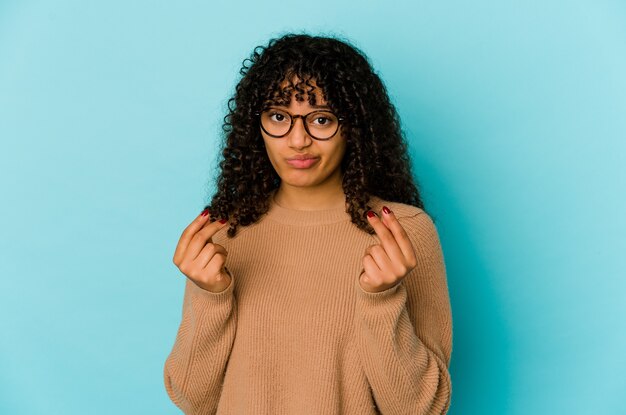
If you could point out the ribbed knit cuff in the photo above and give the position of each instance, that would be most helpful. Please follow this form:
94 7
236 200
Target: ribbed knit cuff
383 297
208 297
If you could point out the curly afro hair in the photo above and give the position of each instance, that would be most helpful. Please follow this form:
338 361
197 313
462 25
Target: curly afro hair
376 161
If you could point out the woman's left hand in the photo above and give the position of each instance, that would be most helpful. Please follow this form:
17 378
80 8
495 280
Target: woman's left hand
387 263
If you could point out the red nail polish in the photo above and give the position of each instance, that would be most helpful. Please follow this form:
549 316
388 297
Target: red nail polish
223 220
386 210
204 212
370 214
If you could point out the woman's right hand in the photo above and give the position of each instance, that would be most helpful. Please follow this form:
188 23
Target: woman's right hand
201 260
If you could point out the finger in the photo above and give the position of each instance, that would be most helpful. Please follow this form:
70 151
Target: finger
373 276
380 257
401 237
207 253
202 237
387 239
188 233
214 266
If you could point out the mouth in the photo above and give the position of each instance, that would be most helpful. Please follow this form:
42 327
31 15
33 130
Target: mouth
303 163
303 157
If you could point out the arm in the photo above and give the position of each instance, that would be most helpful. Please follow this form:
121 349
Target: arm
194 370
405 332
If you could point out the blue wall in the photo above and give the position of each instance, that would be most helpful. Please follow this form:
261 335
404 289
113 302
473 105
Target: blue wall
109 120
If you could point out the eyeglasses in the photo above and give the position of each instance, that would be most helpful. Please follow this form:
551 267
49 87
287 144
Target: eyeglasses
319 124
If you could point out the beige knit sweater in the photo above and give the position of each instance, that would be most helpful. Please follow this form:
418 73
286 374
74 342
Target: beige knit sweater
294 333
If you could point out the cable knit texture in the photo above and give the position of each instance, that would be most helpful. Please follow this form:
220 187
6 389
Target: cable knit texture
294 333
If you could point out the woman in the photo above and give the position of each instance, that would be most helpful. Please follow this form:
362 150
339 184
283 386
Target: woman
327 292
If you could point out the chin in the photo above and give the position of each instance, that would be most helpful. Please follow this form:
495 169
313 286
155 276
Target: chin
300 181
301 178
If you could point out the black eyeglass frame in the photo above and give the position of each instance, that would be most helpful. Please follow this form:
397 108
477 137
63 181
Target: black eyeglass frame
293 120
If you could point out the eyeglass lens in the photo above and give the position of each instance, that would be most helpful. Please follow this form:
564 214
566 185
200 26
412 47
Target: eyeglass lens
320 124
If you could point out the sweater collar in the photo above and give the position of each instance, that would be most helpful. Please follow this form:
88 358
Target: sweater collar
288 216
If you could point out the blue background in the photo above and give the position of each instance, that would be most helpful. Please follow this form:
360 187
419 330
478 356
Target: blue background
110 114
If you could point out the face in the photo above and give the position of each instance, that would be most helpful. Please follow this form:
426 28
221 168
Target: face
327 154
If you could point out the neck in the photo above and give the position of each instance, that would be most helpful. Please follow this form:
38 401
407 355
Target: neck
327 196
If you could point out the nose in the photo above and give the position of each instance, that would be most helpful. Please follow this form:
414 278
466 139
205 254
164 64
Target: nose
298 137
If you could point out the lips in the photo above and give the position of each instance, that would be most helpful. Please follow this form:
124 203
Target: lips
303 157
302 163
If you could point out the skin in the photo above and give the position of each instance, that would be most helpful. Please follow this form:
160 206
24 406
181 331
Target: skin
199 258
318 187
385 264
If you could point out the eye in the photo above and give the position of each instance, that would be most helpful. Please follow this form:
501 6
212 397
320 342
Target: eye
279 116
322 119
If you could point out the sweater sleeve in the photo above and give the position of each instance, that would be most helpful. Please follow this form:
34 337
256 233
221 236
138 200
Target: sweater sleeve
194 370
405 332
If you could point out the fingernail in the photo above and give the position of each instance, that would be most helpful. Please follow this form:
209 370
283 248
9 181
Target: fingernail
386 210
370 214
204 212
223 220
